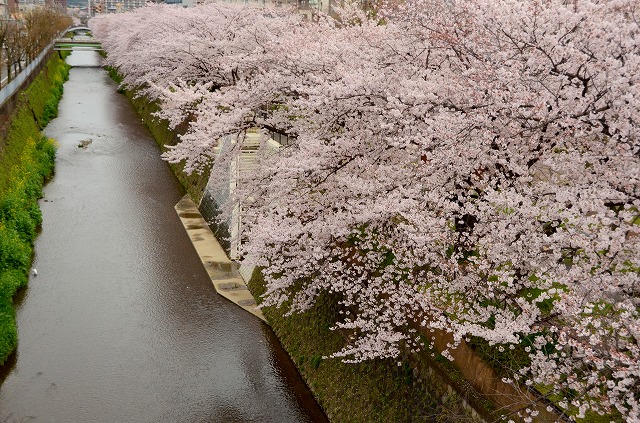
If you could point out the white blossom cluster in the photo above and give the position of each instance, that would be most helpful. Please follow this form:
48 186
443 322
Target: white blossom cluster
470 166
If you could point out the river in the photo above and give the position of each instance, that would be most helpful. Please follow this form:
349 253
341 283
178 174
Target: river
122 323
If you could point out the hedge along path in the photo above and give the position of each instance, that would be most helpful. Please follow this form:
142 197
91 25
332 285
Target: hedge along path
26 160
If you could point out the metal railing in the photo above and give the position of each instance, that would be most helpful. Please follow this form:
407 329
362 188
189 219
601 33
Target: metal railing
14 86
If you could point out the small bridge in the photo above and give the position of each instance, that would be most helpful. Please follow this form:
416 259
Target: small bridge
68 44
77 38
83 30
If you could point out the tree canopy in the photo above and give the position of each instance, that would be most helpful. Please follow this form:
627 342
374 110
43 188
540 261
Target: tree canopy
468 166
24 37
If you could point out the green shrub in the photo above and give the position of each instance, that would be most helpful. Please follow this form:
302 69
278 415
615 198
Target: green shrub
8 330
11 281
15 253
45 155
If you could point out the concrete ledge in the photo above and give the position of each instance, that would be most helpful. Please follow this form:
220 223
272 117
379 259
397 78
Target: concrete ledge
224 274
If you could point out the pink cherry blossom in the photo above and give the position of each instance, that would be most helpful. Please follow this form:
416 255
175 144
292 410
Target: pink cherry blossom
471 166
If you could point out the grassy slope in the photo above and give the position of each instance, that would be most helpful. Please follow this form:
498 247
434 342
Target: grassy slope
26 160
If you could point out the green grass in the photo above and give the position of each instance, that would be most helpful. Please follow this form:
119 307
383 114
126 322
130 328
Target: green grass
26 161
19 218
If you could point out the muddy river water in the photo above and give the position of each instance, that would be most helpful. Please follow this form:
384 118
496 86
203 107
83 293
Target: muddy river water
122 323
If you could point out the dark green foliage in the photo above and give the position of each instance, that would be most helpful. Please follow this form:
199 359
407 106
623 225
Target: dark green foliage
315 361
15 253
113 73
8 330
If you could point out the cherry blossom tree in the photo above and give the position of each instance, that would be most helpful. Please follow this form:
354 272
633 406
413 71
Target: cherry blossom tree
468 166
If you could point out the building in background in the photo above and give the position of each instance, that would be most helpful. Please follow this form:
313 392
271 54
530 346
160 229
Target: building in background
24 5
305 7
98 7
113 6
58 4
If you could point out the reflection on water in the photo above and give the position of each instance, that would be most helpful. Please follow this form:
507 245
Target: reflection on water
121 323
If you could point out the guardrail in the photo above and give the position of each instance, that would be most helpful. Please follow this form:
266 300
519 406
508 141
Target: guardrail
14 86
